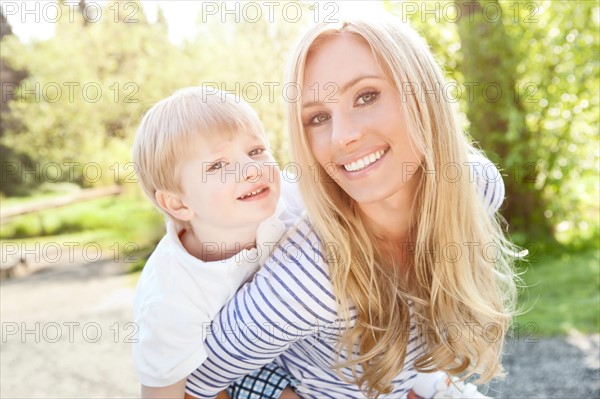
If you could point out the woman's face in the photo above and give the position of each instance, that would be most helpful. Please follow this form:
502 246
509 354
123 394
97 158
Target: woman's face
354 122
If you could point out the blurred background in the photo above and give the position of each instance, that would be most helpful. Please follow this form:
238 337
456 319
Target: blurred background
75 229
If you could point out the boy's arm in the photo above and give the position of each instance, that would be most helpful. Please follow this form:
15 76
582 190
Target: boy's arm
175 391
221 395
289 393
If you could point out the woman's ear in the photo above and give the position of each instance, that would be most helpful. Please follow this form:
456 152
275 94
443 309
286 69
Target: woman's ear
173 205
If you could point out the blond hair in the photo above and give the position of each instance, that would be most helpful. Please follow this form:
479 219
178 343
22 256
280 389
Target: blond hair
170 131
473 294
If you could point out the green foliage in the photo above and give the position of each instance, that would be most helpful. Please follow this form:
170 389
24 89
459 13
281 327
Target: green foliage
562 293
104 214
12 183
248 59
113 81
559 60
543 130
126 227
88 84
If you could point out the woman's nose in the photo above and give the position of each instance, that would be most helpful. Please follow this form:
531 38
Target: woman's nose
344 132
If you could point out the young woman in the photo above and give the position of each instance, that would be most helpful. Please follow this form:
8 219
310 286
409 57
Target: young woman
400 265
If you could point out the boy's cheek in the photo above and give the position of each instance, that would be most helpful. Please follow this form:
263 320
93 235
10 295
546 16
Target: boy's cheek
272 167
272 173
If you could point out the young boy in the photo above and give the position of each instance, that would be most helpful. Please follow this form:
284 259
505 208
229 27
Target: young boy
203 160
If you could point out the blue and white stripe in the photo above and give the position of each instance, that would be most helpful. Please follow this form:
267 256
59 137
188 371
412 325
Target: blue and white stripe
289 313
289 309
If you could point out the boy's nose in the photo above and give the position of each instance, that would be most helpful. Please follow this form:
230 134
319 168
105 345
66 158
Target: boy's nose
251 172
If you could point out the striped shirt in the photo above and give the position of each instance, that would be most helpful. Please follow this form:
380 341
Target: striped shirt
289 312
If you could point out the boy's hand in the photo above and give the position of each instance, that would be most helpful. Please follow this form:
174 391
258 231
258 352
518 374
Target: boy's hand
440 385
289 393
175 391
413 395
221 395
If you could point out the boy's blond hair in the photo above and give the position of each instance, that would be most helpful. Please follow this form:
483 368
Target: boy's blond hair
170 131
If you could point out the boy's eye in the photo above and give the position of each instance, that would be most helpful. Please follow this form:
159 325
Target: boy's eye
367 98
217 166
318 119
256 151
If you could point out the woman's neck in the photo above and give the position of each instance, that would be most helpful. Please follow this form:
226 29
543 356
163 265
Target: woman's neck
393 218
388 221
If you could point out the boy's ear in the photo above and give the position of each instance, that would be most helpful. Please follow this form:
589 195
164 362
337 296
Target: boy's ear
172 204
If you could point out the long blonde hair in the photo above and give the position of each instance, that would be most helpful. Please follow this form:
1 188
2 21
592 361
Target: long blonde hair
462 305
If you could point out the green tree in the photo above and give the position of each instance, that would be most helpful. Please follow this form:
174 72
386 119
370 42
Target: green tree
497 116
248 58
9 159
532 71
119 65
86 87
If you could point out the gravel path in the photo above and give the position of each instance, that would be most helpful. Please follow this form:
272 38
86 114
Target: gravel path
64 335
70 339
551 368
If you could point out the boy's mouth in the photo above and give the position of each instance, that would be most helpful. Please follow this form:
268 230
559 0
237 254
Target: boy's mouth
255 193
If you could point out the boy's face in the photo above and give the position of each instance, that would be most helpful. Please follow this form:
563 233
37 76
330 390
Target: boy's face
230 182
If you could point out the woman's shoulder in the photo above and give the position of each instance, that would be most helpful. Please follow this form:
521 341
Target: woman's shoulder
489 181
296 277
301 242
300 259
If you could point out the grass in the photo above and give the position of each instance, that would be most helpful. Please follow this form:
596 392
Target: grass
43 192
127 227
562 294
127 215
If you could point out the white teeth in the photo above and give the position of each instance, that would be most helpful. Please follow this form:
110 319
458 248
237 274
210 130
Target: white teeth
260 190
364 162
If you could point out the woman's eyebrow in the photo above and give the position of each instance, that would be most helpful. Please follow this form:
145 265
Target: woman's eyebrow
341 90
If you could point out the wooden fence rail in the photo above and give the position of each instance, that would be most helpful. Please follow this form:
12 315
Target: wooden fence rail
37 206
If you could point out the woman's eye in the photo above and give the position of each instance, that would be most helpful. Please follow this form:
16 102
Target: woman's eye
217 166
318 119
256 151
367 98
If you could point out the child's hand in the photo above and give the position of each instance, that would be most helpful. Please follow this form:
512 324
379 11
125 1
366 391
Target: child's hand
221 395
439 385
289 393
413 395
175 391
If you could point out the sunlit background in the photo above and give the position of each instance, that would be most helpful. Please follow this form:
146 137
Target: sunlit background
75 229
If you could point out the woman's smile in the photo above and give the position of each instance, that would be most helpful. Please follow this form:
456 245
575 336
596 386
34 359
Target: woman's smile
366 161
361 127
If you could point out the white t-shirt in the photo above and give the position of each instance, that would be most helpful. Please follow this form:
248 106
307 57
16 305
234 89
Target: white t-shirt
178 296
